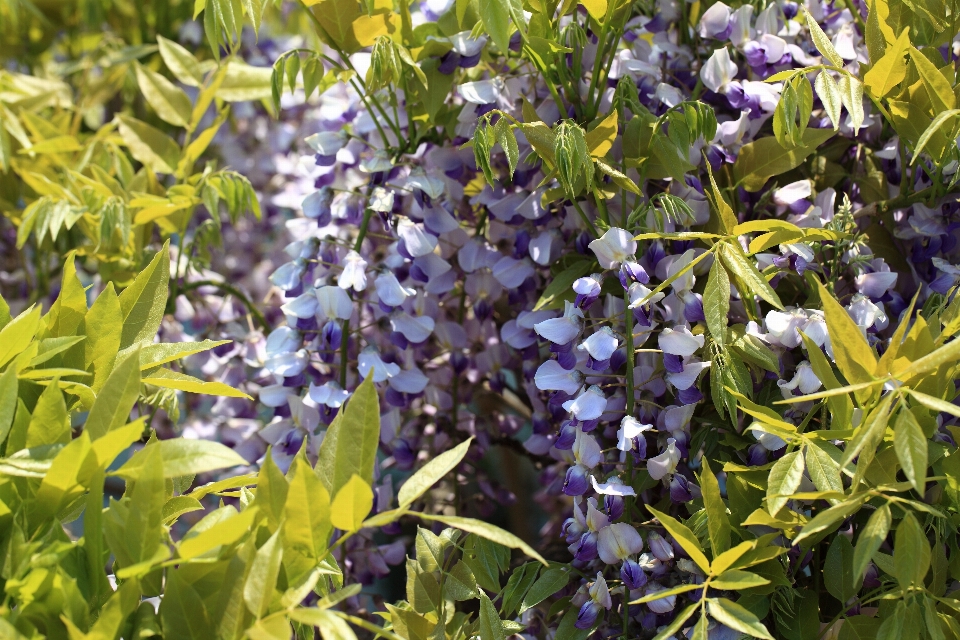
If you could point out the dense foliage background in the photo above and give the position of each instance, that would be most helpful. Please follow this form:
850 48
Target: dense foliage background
473 318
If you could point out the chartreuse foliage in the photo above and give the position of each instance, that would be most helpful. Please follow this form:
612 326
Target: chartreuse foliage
449 569
872 465
906 79
73 182
69 380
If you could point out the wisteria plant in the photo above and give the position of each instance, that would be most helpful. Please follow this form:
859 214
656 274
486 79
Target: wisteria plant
681 275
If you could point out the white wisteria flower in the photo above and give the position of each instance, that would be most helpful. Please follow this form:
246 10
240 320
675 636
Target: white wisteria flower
613 247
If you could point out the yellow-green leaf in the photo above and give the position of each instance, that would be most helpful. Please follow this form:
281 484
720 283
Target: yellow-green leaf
226 532
938 89
600 139
852 354
351 504
764 158
182 382
155 149
891 69
684 538
821 41
735 616
170 103
431 473
115 401
486 530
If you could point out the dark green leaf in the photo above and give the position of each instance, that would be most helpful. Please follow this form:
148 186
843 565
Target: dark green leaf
911 553
838 576
716 301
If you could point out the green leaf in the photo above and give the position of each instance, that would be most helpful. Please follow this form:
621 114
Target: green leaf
49 423
244 82
182 457
115 611
351 504
460 583
490 625
508 142
911 446
822 42
350 445
859 628
68 311
159 353
684 538
177 506
890 69
495 17
143 302
869 433
824 470
5 316
829 94
911 553
764 158
596 8
182 610
851 95
104 327
306 512
735 579
934 403
485 530
115 401
30 463
560 285
785 477
254 10
841 408
832 516
746 274
736 617
431 473
224 533
718 524
272 489
181 62
722 562
928 133
716 301
878 33
838 575
853 355
153 148
9 387
262 580
144 524
871 537
678 622
938 89
182 382
550 582
331 626
112 444
520 581
170 103
61 484
18 333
